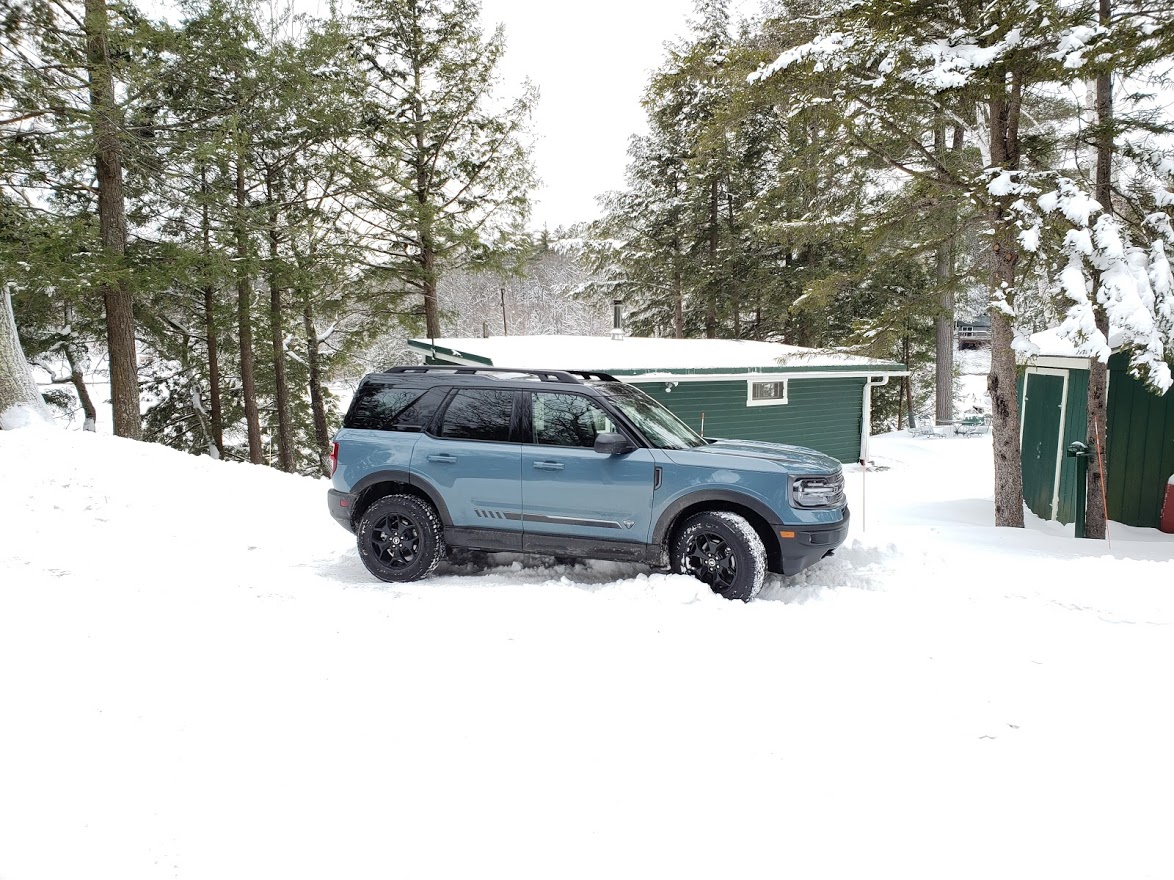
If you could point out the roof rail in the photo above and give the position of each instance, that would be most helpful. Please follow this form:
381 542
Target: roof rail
542 375
594 375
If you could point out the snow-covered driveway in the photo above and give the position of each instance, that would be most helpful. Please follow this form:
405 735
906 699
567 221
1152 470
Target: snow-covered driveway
198 679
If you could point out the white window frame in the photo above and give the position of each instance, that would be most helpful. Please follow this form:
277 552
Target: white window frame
768 380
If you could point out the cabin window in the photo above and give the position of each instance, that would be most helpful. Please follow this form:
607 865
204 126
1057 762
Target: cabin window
772 393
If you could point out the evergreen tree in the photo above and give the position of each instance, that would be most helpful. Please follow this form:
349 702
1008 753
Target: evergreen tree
449 168
883 60
65 117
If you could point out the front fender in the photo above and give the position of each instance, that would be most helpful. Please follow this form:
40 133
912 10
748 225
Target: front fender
675 507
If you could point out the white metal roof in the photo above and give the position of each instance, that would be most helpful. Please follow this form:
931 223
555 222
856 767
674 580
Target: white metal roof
635 354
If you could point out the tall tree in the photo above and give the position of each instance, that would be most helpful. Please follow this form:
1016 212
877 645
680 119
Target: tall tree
449 167
1127 43
883 60
65 71
106 122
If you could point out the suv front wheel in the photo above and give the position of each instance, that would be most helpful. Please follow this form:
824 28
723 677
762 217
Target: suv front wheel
723 550
400 538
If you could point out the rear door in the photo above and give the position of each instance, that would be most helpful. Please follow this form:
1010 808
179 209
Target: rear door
569 489
473 458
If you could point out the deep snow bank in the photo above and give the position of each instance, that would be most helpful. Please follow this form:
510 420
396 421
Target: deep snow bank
200 680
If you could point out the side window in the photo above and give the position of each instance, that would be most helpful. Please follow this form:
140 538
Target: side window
387 408
479 414
567 420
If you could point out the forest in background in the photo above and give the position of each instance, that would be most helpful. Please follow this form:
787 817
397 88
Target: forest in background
224 211
230 209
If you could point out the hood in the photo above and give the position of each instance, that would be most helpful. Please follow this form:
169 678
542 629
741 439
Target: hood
794 457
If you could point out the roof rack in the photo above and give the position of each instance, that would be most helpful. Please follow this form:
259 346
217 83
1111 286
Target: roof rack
542 375
594 375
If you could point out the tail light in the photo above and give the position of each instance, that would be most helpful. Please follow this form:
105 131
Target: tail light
333 459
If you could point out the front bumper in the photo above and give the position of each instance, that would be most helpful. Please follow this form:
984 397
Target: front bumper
341 505
806 545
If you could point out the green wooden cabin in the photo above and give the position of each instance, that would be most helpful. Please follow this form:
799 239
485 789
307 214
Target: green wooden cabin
1139 452
725 388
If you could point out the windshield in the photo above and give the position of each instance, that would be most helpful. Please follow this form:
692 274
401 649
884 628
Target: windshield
661 428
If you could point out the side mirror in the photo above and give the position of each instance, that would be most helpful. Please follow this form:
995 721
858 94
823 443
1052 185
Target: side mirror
612 444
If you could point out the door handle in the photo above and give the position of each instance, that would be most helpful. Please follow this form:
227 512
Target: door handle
443 458
549 465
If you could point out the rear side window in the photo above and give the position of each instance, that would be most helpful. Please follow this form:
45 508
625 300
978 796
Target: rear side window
388 408
479 414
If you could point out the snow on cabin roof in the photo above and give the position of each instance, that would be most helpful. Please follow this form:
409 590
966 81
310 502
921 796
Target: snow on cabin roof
637 355
1049 343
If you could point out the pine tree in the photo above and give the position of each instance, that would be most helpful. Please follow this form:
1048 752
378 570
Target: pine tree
449 169
884 60
61 66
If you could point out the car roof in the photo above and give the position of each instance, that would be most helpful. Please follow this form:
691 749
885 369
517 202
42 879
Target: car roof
432 375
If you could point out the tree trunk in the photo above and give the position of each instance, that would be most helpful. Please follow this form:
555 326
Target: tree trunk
211 340
77 377
735 291
1098 372
116 294
285 453
944 322
907 384
17 388
678 303
423 199
244 301
431 301
317 398
1004 113
944 334
711 311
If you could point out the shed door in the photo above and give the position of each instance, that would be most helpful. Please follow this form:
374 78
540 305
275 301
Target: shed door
1043 413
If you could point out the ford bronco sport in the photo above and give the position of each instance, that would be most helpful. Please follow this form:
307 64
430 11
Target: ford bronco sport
570 464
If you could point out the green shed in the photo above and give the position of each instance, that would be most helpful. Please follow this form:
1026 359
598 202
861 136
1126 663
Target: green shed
1139 449
722 387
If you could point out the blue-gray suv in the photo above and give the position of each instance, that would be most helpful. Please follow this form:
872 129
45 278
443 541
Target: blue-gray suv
434 459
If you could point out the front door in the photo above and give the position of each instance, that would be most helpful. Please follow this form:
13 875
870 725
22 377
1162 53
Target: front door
569 489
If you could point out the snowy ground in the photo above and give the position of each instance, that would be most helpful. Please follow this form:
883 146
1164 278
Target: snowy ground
198 679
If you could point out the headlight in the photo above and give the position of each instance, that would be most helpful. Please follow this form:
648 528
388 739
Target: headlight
825 491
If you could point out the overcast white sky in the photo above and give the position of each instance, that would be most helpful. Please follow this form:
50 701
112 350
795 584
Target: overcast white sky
591 62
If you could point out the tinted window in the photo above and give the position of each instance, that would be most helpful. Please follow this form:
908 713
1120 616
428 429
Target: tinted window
479 414
567 420
387 408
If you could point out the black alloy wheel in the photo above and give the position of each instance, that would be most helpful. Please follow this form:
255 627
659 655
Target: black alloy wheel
395 540
400 538
710 559
722 550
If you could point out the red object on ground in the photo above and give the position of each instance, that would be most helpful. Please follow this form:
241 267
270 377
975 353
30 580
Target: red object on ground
1167 522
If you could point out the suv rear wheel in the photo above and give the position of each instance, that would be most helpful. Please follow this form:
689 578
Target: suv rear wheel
400 538
723 550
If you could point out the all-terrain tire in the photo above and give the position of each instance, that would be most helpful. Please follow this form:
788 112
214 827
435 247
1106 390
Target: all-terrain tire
400 538
723 550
